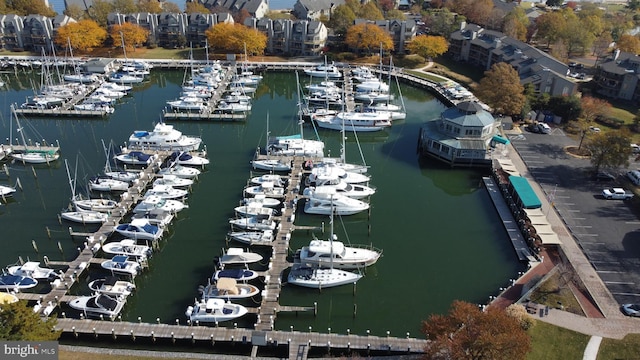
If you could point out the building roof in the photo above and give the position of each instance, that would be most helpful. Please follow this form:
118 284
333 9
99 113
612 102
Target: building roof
236 5
468 114
318 5
622 64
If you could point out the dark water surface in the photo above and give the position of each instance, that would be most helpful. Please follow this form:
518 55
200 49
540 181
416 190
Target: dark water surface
441 237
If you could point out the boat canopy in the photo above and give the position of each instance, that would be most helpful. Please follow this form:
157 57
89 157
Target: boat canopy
227 285
524 191
500 139
140 134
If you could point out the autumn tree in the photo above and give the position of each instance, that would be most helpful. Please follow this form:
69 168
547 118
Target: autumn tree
610 150
170 7
591 109
500 88
386 5
575 35
516 23
232 38
150 6
467 332
477 11
124 6
395 14
428 46
342 18
83 35
29 7
368 37
602 45
629 43
196 7
442 22
550 25
132 35
369 11
240 16
19 322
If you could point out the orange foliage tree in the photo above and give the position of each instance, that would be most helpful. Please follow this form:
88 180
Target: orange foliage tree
467 333
83 35
132 35
428 46
368 37
232 38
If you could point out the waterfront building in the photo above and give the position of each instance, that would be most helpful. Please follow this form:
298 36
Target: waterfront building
172 30
198 23
617 77
401 31
145 20
315 9
99 66
11 27
291 37
482 48
255 8
462 136
37 33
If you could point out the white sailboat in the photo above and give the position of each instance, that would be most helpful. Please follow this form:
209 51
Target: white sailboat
313 276
32 154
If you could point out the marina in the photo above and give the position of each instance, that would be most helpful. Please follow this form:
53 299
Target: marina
237 142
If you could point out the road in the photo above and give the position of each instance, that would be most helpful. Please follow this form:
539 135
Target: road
606 230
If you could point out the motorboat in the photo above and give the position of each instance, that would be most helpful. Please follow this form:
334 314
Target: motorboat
312 276
235 256
373 96
253 223
81 78
33 270
228 288
335 253
112 286
110 94
167 192
356 121
275 179
157 203
128 176
271 165
180 171
390 114
329 172
6 191
127 247
248 210
322 203
188 103
16 282
155 217
135 158
372 85
295 145
324 86
6 298
120 264
340 164
261 200
100 205
115 87
264 237
163 137
125 78
85 216
339 186
105 183
140 229
214 311
174 181
237 274
100 305
327 71
239 106
267 189
363 74
94 107
184 158
236 97
385 106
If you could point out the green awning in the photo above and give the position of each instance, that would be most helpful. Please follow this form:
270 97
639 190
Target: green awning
500 139
526 194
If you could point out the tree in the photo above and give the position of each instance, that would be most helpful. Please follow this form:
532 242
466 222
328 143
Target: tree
150 6
170 7
575 35
629 43
602 45
591 108
75 12
386 5
368 37
83 35
500 88
516 23
99 11
29 7
232 38
124 6
132 35
19 322
550 26
554 2
342 18
196 7
610 149
443 22
428 46
477 11
395 14
469 333
369 11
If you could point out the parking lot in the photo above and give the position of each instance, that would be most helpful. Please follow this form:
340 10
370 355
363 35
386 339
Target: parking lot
606 230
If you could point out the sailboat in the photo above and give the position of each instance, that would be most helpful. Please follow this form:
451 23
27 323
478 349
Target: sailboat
89 206
33 154
78 77
122 77
316 277
393 111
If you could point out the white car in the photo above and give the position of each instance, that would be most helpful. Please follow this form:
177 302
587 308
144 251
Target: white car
616 194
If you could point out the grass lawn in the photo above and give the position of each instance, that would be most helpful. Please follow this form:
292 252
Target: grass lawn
424 76
554 291
627 348
549 342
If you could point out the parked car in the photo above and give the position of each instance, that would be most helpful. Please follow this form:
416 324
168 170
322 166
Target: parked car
616 194
544 128
634 176
604 176
635 148
631 309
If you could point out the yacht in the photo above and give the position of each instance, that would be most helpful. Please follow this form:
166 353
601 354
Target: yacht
264 237
174 181
167 192
295 145
155 217
214 311
112 286
100 305
156 203
322 202
180 171
127 247
355 121
312 276
261 200
135 158
240 106
335 253
330 172
267 189
188 103
163 137
120 264
33 270
125 78
339 186
184 158
324 71
276 179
